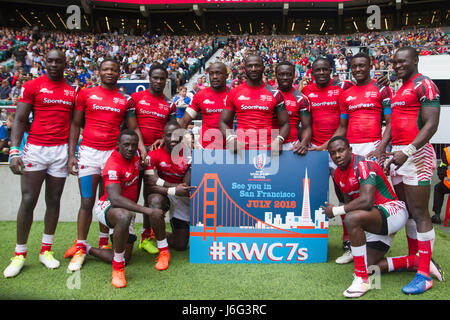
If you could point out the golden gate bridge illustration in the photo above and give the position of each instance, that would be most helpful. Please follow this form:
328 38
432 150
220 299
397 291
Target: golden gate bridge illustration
221 216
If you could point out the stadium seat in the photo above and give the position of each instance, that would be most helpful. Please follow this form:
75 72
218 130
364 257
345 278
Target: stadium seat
447 211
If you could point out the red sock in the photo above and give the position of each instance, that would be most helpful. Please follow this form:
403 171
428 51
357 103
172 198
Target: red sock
360 267
118 265
81 245
406 262
344 229
146 233
413 247
45 247
424 257
102 241
24 254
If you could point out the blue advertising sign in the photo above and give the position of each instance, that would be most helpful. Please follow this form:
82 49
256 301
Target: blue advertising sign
254 209
132 86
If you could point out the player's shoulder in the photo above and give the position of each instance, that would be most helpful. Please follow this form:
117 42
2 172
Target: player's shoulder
343 84
421 79
274 91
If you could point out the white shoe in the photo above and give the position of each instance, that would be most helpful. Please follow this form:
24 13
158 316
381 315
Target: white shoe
77 261
436 271
14 267
347 257
48 260
358 288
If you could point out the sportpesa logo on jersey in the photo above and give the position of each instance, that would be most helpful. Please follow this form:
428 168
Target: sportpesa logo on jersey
45 90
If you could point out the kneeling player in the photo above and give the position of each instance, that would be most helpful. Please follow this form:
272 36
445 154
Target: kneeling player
116 207
168 178
373 214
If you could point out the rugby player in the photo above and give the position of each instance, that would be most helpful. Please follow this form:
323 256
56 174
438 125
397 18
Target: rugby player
44 156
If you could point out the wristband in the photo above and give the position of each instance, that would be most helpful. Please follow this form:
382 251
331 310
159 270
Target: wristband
171 191
280 138
13 148
160 182
338 211
13 151
409 150
14 155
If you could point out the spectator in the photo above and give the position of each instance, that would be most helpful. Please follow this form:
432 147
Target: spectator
442 187
5 137
5 90
182 100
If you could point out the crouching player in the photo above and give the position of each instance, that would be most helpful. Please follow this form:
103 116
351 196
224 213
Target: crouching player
373 213
168 179
116 207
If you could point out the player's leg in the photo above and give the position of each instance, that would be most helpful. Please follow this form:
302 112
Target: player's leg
88 185
147 242
357 222
54 186
158 224
417 198
103 234
178 239
31 182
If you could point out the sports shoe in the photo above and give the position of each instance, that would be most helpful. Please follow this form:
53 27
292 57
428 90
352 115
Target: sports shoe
347 257
436 270
48 260
149 246
77 261
419 284
118 278
71 251
14 267
106 246
436 219
358 288
162 262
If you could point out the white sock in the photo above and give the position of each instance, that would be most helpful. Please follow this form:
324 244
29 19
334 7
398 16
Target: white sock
21 248
119 256
162 244
103 235
88 247
48 238
427 236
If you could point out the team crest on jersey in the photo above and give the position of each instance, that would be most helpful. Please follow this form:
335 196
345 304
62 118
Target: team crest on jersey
45 90
370 94
118 100
265 97
112 174
163 106
290 103
127 175
333 93
69 93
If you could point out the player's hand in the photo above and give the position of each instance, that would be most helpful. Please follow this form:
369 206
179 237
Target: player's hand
183 190
144 157
73 165
328 210
378 154
300 148
398 158
383 81
157 144
322 147
16 165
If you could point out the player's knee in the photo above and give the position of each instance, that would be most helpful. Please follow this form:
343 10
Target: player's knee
28 200
156 201
124 217
351 220
87 204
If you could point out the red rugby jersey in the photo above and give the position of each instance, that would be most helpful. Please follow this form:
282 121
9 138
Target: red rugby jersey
254 108
125 172
210 103
361 171
104 112
152 113
406 120
169 169
364 107
296 104
53 103
324 109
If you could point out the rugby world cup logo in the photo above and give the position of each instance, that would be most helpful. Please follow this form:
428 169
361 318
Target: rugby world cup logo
259 161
